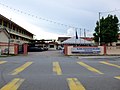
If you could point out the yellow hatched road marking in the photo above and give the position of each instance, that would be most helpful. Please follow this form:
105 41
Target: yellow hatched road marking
74 84
57 68
110 64
13 85
117 77
90 68
21 68
1 62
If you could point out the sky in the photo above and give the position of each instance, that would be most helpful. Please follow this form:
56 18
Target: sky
50 19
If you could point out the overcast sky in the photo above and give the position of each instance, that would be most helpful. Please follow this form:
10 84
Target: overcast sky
52 18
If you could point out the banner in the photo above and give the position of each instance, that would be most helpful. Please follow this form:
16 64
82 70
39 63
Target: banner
86 50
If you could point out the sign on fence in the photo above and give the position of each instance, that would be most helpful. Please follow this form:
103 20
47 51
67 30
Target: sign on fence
86 50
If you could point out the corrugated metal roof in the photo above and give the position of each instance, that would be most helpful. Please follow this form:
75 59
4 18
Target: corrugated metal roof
73 40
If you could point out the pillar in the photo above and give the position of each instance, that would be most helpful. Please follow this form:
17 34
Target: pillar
25 47
105 49
15 49
66 49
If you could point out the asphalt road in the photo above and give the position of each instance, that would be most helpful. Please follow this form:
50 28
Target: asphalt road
51 70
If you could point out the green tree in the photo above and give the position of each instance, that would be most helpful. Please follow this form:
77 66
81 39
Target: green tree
108 30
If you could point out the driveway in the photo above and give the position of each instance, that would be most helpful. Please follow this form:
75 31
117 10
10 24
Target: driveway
51 70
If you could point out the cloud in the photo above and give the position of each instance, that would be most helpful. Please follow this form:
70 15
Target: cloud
81 14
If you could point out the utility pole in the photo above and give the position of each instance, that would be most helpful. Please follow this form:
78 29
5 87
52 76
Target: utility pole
80 35
84 33
99 28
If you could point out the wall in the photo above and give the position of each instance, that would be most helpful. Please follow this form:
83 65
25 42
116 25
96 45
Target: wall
69 48
3 37
4 48
102 50
113 50
105 50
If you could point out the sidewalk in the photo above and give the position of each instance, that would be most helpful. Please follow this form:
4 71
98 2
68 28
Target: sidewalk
98 57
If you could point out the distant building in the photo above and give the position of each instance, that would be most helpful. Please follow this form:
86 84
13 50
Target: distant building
79 42
62 39
52 45
43 45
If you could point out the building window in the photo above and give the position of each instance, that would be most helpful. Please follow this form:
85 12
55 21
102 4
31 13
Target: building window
13 27
51 46
0 21
16 37
5 23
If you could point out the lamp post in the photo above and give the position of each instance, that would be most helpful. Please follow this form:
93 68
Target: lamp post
99 28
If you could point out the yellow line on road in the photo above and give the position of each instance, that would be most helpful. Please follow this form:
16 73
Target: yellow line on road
1 62
74 84
57 68
90 68
21 68
13 85
117 77
110 64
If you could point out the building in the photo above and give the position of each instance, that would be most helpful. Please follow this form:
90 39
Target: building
52 45
42 45
12 34
17 33
79 42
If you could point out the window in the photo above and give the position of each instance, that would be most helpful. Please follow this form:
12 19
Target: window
0 21
5 24
13 27
51 46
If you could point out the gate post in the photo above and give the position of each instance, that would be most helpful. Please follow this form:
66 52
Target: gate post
66 49
105 49
25 47
15 49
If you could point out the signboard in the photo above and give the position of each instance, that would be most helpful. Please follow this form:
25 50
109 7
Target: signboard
86 50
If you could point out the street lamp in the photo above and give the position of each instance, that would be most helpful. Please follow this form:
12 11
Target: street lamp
99 28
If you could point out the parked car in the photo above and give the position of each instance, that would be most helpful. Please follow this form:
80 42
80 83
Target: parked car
34 49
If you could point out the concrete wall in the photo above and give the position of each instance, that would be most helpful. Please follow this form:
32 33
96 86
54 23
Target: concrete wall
101 49
3 48
3 37
113 50
105 50
69 52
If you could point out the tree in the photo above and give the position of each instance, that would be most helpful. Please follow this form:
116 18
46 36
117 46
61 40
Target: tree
108 30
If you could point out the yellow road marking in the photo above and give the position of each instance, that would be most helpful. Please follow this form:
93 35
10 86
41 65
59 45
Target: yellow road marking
117 77
90 68
110 64
74 84
1 62
21 68
57 68
13 85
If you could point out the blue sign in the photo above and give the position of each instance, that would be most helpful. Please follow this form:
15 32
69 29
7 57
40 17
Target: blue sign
86 50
